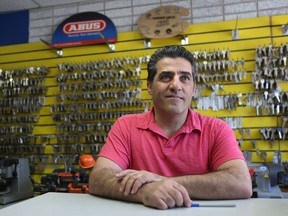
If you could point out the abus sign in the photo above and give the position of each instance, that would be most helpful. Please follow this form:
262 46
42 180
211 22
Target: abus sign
83 29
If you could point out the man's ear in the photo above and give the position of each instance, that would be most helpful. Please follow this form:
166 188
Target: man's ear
149 87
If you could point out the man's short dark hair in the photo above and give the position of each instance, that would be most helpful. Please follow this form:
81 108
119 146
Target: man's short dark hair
173 51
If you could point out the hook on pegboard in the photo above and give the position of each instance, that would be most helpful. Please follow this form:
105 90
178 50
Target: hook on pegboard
184 40
235 32
285 29
59 51
147 43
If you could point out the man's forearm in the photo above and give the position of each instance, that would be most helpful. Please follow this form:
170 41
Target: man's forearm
222 184
103 182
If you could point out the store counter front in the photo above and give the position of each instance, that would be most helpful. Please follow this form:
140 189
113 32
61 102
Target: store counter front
74 204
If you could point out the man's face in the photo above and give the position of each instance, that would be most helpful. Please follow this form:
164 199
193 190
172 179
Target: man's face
173 86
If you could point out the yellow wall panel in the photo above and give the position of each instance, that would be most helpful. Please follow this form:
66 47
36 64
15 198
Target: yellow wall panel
265 145
261 121
229 25
254 33
27 56
249 66
145 95
279 19
51 100
43 129
126 36
277 41
249 55
45 120
18 48
227 35
232 45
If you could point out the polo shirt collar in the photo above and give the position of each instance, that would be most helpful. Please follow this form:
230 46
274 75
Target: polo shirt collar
147 121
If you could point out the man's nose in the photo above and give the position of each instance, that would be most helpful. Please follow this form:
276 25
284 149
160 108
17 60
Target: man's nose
175 83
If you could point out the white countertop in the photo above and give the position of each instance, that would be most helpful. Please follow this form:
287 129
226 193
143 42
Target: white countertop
72 204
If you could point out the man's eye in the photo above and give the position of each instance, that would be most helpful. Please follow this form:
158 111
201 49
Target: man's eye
165 77
186 78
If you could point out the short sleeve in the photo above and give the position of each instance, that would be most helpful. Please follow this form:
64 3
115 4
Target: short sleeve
224 145
117 146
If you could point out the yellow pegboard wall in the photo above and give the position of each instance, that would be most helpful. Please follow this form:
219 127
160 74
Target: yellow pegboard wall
81 103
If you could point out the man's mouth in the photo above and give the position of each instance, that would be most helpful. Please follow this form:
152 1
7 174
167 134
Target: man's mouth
174 97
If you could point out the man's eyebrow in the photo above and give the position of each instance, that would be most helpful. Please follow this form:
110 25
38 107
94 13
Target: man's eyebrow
166 72
181 72
185 73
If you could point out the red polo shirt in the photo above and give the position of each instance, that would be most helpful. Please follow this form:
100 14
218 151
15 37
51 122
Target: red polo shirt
200 146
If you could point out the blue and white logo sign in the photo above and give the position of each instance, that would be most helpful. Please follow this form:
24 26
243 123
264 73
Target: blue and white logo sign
83 29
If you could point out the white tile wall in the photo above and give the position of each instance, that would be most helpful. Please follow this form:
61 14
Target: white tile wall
208 19
240 8
240 15
40 23
146 2
236 1
120 12
66 10
272 4
274 12
118 4
97 7
208 12
125 13
138 10
41 13
206 3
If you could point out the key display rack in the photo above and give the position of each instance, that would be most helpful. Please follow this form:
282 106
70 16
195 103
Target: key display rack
91 97
57 107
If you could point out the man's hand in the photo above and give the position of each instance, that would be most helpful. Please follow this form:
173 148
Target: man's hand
160 193
132 180
165 194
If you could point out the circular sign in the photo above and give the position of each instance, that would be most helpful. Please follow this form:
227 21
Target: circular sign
163 22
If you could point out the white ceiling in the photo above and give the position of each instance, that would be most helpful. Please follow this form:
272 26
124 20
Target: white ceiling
16 5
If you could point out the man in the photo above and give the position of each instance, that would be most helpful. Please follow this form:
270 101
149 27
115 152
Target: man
169 155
